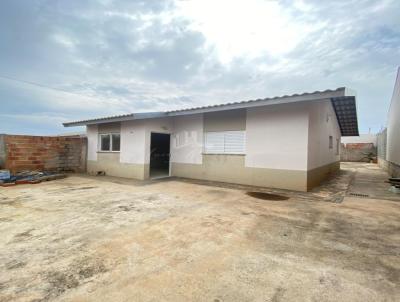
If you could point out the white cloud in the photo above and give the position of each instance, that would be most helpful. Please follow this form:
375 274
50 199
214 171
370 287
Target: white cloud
145 55
245 28
64 41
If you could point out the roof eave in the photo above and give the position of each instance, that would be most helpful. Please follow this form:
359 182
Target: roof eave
340 92
124 118
346 113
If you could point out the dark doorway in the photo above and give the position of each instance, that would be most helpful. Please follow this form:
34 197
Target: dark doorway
159 155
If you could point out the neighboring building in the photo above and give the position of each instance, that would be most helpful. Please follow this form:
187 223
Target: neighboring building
290 142
390 137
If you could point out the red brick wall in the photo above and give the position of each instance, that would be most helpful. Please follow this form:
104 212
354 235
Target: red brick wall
45 153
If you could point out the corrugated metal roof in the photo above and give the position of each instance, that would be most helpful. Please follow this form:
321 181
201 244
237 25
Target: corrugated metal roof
346 113
344 106
265 99
227 106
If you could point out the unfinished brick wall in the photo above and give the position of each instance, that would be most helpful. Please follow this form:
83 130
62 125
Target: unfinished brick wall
45 153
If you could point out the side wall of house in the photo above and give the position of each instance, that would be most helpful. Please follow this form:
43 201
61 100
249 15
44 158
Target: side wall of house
322 160
393 131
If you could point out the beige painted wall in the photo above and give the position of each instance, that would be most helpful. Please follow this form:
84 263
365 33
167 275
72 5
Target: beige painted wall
317 175
322 124
231 169
110 163
321 160
225 120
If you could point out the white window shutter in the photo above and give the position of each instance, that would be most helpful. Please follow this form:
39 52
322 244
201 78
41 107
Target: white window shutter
234 142
214 142
225 142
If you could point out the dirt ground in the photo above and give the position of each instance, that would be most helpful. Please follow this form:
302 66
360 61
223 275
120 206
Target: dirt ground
106 239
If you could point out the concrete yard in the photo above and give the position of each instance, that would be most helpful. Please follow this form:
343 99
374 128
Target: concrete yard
106 239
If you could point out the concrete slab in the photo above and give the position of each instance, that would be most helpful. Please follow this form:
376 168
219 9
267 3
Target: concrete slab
369 181
107 239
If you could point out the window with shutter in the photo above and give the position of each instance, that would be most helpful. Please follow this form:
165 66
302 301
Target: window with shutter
224 142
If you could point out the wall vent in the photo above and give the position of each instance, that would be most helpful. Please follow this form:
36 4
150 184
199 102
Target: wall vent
359 195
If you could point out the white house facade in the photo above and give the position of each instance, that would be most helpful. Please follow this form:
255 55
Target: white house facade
290 142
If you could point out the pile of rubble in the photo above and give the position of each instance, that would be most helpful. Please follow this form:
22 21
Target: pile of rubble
27 177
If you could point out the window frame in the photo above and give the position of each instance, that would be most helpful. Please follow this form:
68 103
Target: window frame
338 145
111 142
224 152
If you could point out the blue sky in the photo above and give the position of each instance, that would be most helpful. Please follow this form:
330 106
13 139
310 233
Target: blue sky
69 60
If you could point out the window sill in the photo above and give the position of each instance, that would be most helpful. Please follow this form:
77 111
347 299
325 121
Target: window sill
108 151
236 154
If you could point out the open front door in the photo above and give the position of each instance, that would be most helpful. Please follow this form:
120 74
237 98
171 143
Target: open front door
159 155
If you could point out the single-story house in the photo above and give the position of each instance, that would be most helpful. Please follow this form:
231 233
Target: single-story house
290 142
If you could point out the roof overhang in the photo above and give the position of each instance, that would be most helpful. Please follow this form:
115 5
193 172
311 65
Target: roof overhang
346 112
117 118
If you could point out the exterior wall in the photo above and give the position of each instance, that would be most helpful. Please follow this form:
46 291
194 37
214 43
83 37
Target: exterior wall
134 157
129 162
393 130
317 175
232 169
133 142
322 124
356 148
187 140
276 137
92 137
393 169
225 120
110 163
109 128
368 138
272 157
382 144
321 160
45 153
2 151
381 149
357 152
277 146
